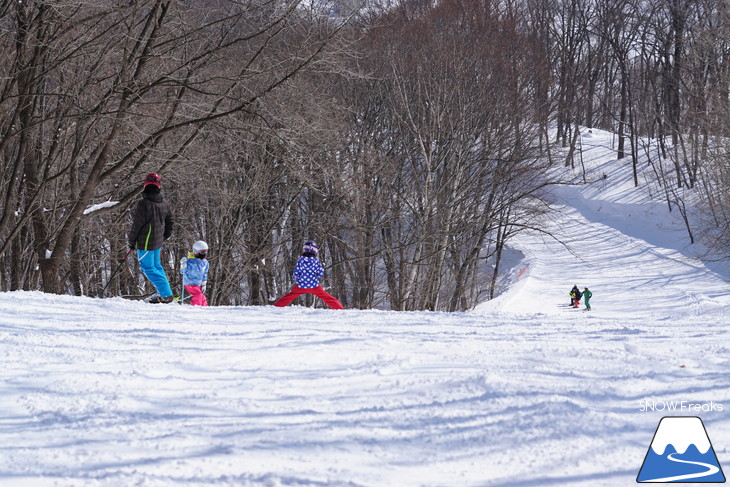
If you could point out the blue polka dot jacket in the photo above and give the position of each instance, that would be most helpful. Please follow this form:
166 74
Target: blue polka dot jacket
308 272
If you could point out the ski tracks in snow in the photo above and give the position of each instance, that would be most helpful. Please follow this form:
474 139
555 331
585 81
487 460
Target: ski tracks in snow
627 274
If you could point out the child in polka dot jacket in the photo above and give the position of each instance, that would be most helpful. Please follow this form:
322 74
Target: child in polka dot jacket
307 274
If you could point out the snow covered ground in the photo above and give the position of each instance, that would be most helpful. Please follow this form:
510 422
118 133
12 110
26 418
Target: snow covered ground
618 241
521 392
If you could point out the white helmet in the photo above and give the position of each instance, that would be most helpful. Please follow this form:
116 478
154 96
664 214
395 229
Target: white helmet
200 247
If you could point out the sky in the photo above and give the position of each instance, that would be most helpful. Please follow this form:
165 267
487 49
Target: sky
522 391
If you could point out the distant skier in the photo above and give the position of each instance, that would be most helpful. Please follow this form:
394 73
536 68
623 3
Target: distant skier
307 274
587 294
194 269
575 296
151 226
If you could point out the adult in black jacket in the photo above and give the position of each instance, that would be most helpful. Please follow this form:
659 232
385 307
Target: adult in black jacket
151 226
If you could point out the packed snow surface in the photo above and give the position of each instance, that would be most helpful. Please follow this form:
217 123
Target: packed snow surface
523 391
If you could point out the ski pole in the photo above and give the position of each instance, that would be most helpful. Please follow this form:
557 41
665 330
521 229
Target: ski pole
116 270
183 266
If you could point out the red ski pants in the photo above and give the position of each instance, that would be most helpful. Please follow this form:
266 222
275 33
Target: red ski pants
297 291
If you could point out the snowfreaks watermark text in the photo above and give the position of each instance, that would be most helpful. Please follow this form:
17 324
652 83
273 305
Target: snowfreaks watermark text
680 406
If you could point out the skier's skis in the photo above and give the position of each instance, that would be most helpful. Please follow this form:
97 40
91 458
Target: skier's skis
181 300
156 299
139 297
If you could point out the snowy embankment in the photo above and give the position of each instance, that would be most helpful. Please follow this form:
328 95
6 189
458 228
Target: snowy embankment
520 392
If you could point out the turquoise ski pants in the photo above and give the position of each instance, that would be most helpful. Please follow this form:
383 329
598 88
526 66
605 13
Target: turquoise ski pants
149 262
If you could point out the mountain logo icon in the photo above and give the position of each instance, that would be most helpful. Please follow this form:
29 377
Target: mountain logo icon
680 452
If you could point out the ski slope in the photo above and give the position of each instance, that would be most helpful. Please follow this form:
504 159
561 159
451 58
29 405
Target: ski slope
612 237
520 392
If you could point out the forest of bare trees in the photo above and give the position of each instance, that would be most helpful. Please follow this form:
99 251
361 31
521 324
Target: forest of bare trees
410 138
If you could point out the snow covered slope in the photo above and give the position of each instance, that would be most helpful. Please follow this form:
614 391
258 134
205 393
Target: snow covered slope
518 393
618 241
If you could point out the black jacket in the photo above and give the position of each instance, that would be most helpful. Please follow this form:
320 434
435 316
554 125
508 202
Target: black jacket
577 292
152 223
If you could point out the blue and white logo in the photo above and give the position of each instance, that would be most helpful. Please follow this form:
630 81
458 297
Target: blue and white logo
681 452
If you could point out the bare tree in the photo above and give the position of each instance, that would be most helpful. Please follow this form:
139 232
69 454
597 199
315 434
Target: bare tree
450 122
105 111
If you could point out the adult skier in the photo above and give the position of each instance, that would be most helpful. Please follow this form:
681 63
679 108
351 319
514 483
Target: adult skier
587 294
151 226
